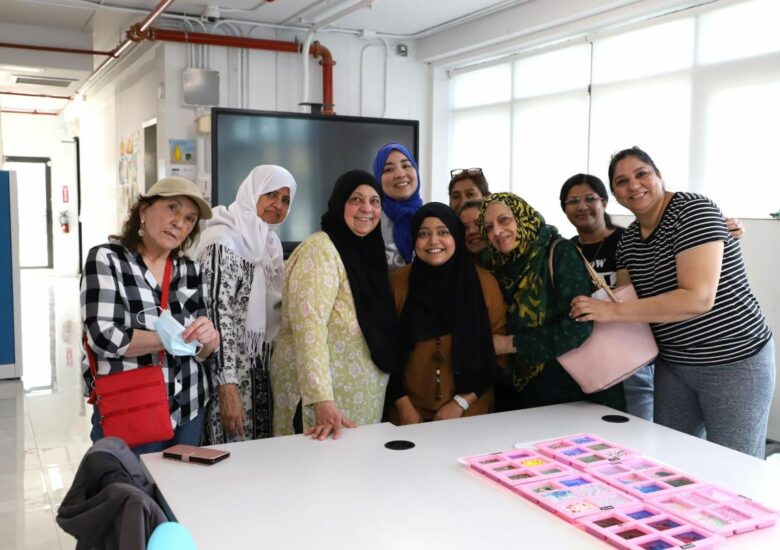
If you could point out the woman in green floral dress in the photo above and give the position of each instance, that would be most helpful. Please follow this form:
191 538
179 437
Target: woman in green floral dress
334 351
538 325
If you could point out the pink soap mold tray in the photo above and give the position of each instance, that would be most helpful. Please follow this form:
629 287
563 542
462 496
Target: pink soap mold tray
642 526
644 477
718 510
583 450
574 496
517 466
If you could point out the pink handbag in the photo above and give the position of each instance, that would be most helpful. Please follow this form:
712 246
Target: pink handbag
613 351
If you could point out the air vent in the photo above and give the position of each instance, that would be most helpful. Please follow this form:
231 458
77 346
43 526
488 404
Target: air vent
43 81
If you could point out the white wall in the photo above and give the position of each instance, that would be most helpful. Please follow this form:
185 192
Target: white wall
26 135
275 82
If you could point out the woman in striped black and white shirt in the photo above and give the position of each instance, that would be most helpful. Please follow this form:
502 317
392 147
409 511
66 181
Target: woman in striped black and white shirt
715 374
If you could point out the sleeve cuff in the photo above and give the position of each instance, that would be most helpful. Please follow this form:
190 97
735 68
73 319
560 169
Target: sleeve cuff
316 397
224 377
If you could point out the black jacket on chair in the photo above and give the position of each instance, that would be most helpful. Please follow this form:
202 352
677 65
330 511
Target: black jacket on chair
110 504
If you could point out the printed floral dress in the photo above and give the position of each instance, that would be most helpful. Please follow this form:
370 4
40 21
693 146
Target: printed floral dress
320 353
229 280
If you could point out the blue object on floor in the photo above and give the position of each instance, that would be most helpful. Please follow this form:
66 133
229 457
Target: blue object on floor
171 536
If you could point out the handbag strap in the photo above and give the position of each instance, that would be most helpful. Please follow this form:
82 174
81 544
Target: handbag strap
597 279
166 289
550 269
594 275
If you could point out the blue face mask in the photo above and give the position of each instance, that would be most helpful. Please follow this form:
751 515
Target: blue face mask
170 330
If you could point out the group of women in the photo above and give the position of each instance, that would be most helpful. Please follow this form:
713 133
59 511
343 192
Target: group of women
414 312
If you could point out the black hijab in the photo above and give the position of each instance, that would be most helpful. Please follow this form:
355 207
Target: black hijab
366 265
448 299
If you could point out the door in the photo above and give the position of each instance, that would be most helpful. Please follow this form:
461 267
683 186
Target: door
33 181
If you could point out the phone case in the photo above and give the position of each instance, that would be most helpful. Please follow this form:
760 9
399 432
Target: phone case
200 455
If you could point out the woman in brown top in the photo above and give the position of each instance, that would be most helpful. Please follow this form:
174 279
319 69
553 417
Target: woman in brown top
448 310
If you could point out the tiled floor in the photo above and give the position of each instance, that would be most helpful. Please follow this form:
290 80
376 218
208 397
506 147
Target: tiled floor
44 428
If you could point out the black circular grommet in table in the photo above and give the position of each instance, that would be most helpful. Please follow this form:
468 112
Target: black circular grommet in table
399 445
615 418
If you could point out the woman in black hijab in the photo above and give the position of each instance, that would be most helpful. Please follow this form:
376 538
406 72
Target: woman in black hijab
336 280
449 310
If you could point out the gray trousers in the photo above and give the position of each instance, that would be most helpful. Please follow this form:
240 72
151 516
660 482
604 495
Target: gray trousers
727 404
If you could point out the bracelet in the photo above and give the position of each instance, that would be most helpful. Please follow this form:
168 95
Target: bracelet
461 401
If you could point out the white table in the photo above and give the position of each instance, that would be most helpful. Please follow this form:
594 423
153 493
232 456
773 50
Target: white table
293 492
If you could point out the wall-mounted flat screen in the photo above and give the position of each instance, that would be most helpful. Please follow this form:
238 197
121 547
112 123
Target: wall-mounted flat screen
317 149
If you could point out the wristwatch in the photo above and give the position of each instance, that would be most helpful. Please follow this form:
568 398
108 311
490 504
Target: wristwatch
461 401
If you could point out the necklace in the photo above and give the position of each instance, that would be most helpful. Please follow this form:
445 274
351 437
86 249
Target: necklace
437 359
598 250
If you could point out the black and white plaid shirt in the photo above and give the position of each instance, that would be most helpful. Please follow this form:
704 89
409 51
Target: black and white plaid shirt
116 286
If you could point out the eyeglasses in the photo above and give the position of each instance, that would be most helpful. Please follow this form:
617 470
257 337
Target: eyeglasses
575 201
457 172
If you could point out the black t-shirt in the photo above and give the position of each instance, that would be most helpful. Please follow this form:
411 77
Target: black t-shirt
601 255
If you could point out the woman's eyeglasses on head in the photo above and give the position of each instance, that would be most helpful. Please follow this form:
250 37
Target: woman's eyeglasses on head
468 171
575 201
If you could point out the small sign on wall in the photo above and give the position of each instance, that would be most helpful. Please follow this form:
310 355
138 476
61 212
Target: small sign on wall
65 194
182 158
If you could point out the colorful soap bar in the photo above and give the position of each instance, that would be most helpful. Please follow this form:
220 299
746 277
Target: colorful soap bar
643 526
717 510
644 477
583 450
516 466
574 496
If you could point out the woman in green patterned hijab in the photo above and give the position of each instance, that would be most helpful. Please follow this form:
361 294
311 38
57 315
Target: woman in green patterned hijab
538 325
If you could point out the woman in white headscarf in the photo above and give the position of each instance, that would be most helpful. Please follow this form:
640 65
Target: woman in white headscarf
242 261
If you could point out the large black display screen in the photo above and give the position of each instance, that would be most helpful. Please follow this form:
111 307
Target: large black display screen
315 148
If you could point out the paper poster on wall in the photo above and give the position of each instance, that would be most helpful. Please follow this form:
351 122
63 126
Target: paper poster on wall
129 148
182 151
182 158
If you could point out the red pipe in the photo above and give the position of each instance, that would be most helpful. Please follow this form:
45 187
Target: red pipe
326 60
38 95
167 35
317 50
54 49
22 112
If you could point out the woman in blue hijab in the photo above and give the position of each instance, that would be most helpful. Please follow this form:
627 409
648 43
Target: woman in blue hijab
396 170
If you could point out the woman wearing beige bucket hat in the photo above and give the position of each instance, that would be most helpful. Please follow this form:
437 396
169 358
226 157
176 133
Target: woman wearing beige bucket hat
127 322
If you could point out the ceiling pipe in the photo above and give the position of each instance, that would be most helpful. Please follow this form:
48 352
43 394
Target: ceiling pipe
28 112
55 49
168 35
138 28
316 50
68 97
326 60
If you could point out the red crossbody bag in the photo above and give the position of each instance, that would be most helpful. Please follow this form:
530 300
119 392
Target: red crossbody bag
133 404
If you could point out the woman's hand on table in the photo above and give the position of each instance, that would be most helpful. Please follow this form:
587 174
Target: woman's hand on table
231 409
328 419
503 344
449 411
407 411
585 308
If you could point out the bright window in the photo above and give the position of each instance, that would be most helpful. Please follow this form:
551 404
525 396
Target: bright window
700 93
739 31
549 145
557 71
482 87
480 138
